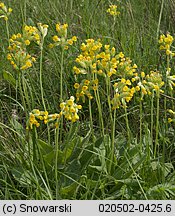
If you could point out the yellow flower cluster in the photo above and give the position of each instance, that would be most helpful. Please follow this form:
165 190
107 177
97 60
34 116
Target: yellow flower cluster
70 109
84 88
110 64
36 115
4 11
20 60
103 60
87 59
31 33
148 83
165 42
125 89
172 119
123 93
43 29
98 59
112 10
18 55
61 38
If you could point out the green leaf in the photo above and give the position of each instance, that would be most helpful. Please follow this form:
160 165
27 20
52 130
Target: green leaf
68 150
17 126
9 78
44 147
68 190
49 158
22 176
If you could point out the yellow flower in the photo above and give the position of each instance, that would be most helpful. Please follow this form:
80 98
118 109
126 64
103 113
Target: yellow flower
121 55
10 10
142 74
27 42
170 120
86 82
128 82
70 41
9 57
112 10
125 88
137 88
55 38
76 85
171 111
74 38
66 47
51 46
95 88
84 88
123 80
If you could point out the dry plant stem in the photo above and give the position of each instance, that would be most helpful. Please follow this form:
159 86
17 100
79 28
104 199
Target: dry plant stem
157 125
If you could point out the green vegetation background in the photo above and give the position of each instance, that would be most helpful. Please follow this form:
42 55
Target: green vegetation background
81 176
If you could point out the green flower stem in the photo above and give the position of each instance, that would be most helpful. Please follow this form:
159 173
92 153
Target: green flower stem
112 142
34 142
41 81
160 17
152 118
157 125
128 128
61 87
172 102
91 121
7 30
108 98
165 99
56 159
141 118
68 140
97 97
21 91
112 120
61 75
45 174
25 90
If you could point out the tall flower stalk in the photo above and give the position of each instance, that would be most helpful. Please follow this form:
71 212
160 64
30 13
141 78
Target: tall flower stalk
4 13
43 28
